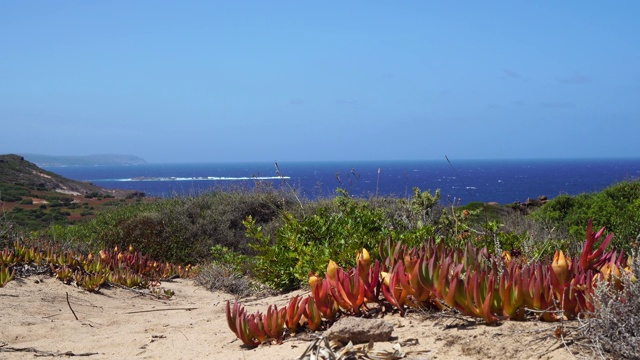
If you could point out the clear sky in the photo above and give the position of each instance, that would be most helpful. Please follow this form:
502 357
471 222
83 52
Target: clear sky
209 81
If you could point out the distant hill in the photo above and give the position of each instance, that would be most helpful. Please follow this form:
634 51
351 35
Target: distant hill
88 160
21 176
32 198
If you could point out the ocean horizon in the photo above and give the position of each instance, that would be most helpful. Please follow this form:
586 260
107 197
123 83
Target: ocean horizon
460 181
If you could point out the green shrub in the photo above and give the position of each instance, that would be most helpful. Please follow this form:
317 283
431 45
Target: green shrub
36 218
616 207
305 245
181 229
12 193
240 263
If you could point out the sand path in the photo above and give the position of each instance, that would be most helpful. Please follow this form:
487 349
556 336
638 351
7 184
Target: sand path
120 324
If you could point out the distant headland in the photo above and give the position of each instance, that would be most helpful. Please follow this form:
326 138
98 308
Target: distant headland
88 160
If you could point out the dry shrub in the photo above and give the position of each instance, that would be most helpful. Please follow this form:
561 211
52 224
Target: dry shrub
218 276
538 238
221 277
614 328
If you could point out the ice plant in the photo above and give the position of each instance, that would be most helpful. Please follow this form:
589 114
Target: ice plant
371 282
560 267
613 267
90 282
452 289
538 294
482 298
511 290
391 252
249 328
577 296
313 281
348 290
332 268
6 257
324 300
64 274
311 312
611 273
5 275
274 323
470 280
589 257
363 261
294 312
506 258
421 296
394 292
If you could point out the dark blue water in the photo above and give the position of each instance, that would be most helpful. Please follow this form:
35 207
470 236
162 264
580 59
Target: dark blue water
503 181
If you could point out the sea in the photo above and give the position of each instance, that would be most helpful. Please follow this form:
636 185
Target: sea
460 181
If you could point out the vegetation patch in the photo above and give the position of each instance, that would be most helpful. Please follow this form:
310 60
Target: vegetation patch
486 261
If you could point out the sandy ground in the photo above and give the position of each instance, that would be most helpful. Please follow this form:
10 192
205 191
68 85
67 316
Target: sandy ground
35 320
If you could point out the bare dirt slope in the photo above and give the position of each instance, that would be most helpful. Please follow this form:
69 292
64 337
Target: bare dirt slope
119 324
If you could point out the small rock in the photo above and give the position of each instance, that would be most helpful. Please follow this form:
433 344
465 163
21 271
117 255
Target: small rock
359 330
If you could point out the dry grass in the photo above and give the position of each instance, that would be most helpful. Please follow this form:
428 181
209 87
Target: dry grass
220 277
224 277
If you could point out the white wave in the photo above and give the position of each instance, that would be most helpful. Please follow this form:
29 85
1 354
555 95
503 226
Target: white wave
200 178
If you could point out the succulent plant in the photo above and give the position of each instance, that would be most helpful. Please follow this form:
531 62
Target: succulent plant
6 275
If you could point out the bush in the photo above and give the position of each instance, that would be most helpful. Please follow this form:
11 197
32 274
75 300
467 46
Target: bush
616 207
533 239
614 328
220 277
181 229
300 246
12 193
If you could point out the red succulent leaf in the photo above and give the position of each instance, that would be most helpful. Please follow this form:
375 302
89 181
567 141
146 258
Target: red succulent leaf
324 300
394 293
371 284
348 290
274 323
294 312
314 318
589 258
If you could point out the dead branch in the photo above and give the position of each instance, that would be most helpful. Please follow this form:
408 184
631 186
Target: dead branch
153 310
68 303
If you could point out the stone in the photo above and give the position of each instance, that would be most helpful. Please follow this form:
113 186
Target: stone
359 330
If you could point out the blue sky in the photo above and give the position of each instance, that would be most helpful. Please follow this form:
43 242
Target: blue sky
209 81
